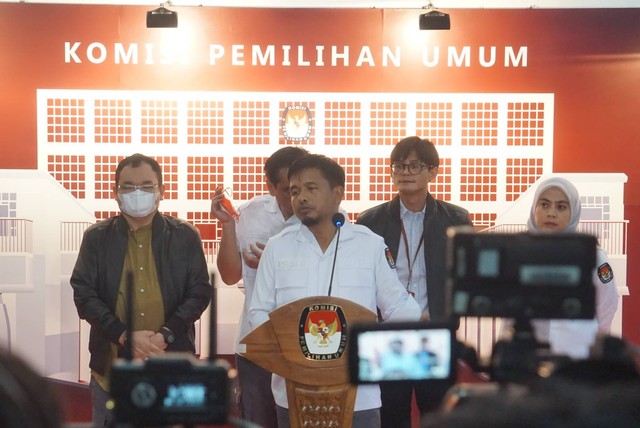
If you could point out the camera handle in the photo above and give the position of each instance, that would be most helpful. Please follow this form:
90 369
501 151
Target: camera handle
517 359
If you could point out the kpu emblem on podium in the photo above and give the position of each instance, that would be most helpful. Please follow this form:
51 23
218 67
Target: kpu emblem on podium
322 332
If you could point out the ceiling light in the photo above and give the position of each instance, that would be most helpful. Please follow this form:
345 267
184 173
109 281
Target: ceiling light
434 20
162 17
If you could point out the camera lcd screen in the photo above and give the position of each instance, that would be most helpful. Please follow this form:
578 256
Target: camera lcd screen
185 396
401 352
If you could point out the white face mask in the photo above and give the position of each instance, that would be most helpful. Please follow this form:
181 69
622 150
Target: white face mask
138 203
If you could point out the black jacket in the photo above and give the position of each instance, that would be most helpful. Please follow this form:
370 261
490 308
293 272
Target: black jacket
182 273
384 220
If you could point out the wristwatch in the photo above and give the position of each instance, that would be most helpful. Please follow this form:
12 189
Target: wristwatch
168 335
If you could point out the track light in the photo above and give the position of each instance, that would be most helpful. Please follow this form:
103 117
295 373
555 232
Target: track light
162 17
434 20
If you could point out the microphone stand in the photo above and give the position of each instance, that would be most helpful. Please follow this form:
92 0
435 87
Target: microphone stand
338 221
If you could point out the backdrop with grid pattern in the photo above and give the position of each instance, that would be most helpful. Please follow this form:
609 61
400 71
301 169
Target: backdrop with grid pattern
492 146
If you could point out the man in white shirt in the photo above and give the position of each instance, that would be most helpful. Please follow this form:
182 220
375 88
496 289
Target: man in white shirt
238 257
298 263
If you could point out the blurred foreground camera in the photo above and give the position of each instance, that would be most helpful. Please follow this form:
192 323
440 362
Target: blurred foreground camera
521 276
170 389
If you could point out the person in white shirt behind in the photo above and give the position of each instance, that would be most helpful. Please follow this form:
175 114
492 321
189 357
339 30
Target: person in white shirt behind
297 263
556 208
239 254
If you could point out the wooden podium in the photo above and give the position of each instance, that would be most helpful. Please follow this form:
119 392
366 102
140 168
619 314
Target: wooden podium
305 342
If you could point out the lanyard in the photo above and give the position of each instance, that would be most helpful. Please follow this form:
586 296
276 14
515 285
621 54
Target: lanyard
410 263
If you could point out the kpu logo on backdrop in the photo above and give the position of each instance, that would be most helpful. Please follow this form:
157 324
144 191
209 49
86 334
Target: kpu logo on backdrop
294 56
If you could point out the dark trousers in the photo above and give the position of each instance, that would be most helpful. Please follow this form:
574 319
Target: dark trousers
101 416
256 399
396 402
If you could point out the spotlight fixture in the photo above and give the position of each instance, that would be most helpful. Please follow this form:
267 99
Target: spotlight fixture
162 17
434 20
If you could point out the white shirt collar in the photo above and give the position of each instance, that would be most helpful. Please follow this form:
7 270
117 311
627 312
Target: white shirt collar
404 210
272 205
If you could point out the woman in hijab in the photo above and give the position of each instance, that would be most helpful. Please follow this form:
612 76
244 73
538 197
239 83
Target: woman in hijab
556 208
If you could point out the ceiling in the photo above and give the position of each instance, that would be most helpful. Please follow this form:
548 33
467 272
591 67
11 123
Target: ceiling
378 4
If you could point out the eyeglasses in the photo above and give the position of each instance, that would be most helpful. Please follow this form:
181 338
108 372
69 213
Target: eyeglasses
128 188
414 168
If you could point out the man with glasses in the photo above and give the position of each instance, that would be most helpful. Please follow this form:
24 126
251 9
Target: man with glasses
165 259
414 226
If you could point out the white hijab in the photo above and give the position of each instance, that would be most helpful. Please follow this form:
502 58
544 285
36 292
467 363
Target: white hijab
569 190
566 337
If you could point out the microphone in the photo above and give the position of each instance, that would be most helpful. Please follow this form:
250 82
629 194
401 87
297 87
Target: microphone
338 221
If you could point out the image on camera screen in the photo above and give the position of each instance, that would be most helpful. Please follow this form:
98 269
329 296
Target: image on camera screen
396 355
185 396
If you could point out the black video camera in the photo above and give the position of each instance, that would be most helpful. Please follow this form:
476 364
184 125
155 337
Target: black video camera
521 276
170 389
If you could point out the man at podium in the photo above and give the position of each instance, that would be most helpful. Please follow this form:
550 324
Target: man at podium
322 257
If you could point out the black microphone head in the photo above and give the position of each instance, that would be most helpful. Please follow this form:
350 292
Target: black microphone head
338 220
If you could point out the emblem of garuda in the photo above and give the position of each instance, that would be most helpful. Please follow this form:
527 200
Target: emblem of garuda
322 331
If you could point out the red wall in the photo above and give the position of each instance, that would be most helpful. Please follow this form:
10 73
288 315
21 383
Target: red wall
589 59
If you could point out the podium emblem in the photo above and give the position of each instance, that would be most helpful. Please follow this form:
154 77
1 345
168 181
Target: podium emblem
322 332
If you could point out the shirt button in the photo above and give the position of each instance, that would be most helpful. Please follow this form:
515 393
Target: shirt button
142 314
139 245
141 268
142 290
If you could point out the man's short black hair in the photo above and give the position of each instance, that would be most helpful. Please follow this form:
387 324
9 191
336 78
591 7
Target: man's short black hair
282 158
330 169
135 160
423 148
